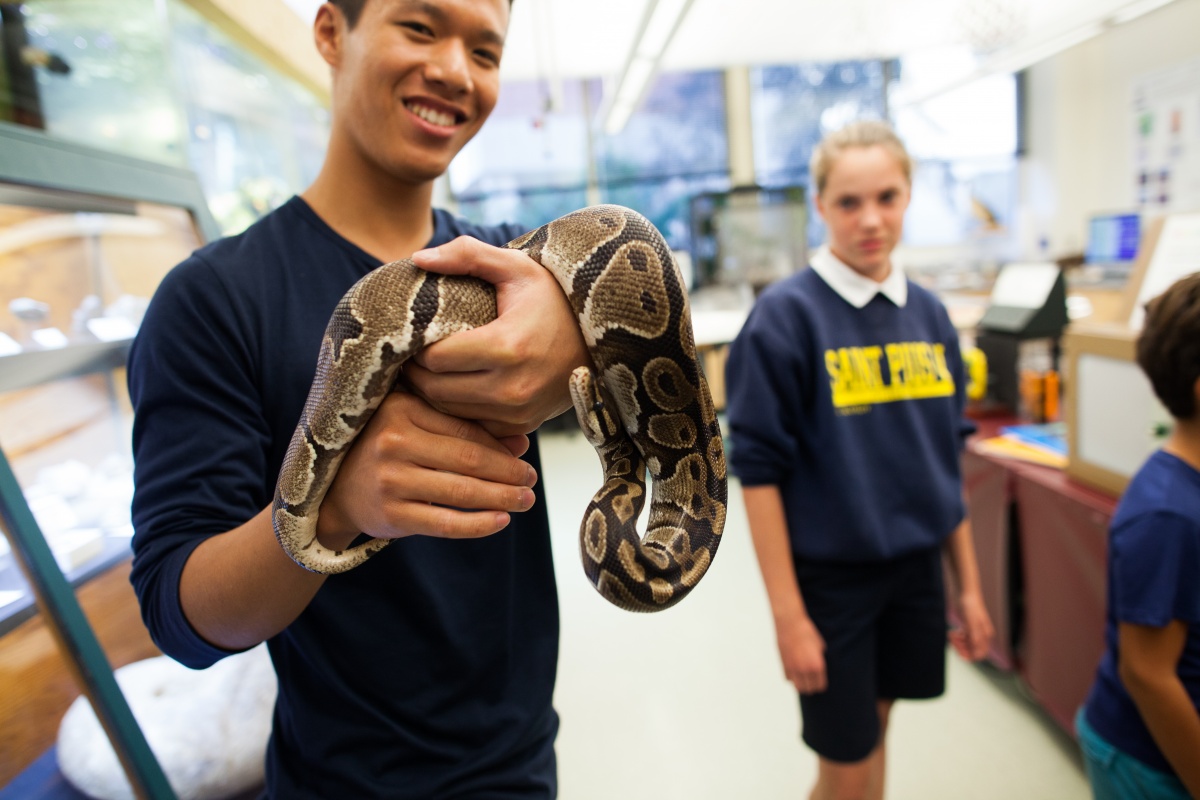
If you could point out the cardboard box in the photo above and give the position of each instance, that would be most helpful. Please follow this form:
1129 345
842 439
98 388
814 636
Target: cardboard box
1114 421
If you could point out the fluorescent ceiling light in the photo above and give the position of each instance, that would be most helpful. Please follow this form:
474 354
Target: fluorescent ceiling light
618 115
1026 54
660 20
1137 9
626 96
664 18
637 76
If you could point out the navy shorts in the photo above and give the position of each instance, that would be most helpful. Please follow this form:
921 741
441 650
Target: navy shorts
884 626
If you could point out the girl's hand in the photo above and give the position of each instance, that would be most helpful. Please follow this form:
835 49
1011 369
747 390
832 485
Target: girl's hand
974 638
802 650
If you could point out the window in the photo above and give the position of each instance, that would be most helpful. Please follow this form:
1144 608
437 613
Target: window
965 143
530 162
975 120
674 146
792 107
254 136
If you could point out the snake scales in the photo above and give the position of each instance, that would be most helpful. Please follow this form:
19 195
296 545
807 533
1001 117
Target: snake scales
648 406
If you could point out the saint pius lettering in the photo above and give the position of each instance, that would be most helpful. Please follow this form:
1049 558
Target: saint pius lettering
866 376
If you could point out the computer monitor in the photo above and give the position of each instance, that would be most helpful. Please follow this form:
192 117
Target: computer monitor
748 235
1113 239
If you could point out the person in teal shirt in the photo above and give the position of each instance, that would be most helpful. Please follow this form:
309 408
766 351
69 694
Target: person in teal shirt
1140 726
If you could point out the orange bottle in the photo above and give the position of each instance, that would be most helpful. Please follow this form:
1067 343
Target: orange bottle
1051 396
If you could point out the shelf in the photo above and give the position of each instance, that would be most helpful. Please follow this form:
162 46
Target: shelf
116 549
33 367
81 224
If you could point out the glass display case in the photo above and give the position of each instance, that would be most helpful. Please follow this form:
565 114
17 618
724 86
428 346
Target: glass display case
85 237
169 81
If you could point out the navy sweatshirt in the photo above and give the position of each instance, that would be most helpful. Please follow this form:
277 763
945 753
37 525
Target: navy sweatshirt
855 414
428 671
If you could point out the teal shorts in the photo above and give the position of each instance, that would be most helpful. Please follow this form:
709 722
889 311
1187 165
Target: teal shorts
1117 776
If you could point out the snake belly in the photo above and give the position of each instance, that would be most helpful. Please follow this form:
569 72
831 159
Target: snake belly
645 407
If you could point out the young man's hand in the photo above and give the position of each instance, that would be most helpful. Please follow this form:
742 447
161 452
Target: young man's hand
413 469
511 375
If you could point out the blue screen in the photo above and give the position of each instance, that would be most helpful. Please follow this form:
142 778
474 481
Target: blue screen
1113 238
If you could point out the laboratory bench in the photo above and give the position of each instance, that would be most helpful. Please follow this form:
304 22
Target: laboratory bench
1041 539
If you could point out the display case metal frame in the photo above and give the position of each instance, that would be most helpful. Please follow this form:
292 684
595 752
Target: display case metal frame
66 620
100 180
81 178
41 171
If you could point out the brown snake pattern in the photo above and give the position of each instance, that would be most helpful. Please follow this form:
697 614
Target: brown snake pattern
646 407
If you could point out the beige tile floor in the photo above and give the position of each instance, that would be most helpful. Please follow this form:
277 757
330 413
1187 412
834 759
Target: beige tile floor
691 703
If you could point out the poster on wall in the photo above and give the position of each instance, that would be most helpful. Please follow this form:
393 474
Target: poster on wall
1166 118
1176 255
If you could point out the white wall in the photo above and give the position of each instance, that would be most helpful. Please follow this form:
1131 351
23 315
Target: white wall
1080 156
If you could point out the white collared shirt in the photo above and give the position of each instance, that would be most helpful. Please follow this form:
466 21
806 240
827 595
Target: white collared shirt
854 287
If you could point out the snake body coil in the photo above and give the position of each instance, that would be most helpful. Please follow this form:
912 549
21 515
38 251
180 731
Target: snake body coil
647 406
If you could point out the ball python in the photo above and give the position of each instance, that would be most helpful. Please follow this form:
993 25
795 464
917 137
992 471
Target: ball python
646 406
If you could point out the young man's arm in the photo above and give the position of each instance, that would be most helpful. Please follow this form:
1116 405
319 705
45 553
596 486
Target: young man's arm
800 644
1148 664
413 465
975 637
407 474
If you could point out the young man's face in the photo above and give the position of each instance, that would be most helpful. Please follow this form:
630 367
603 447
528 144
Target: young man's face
415 79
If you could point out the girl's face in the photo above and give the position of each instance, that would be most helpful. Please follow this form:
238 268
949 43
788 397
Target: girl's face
863 205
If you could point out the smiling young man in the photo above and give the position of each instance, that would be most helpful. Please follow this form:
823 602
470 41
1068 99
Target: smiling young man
428 671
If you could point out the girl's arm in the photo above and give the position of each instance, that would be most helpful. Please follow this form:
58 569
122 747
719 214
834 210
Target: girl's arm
975 637
800 644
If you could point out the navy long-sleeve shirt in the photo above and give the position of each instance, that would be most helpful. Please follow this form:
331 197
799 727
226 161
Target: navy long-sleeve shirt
854 413
426 672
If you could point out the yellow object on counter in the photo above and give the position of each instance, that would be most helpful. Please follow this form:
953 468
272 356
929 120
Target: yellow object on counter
977 372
